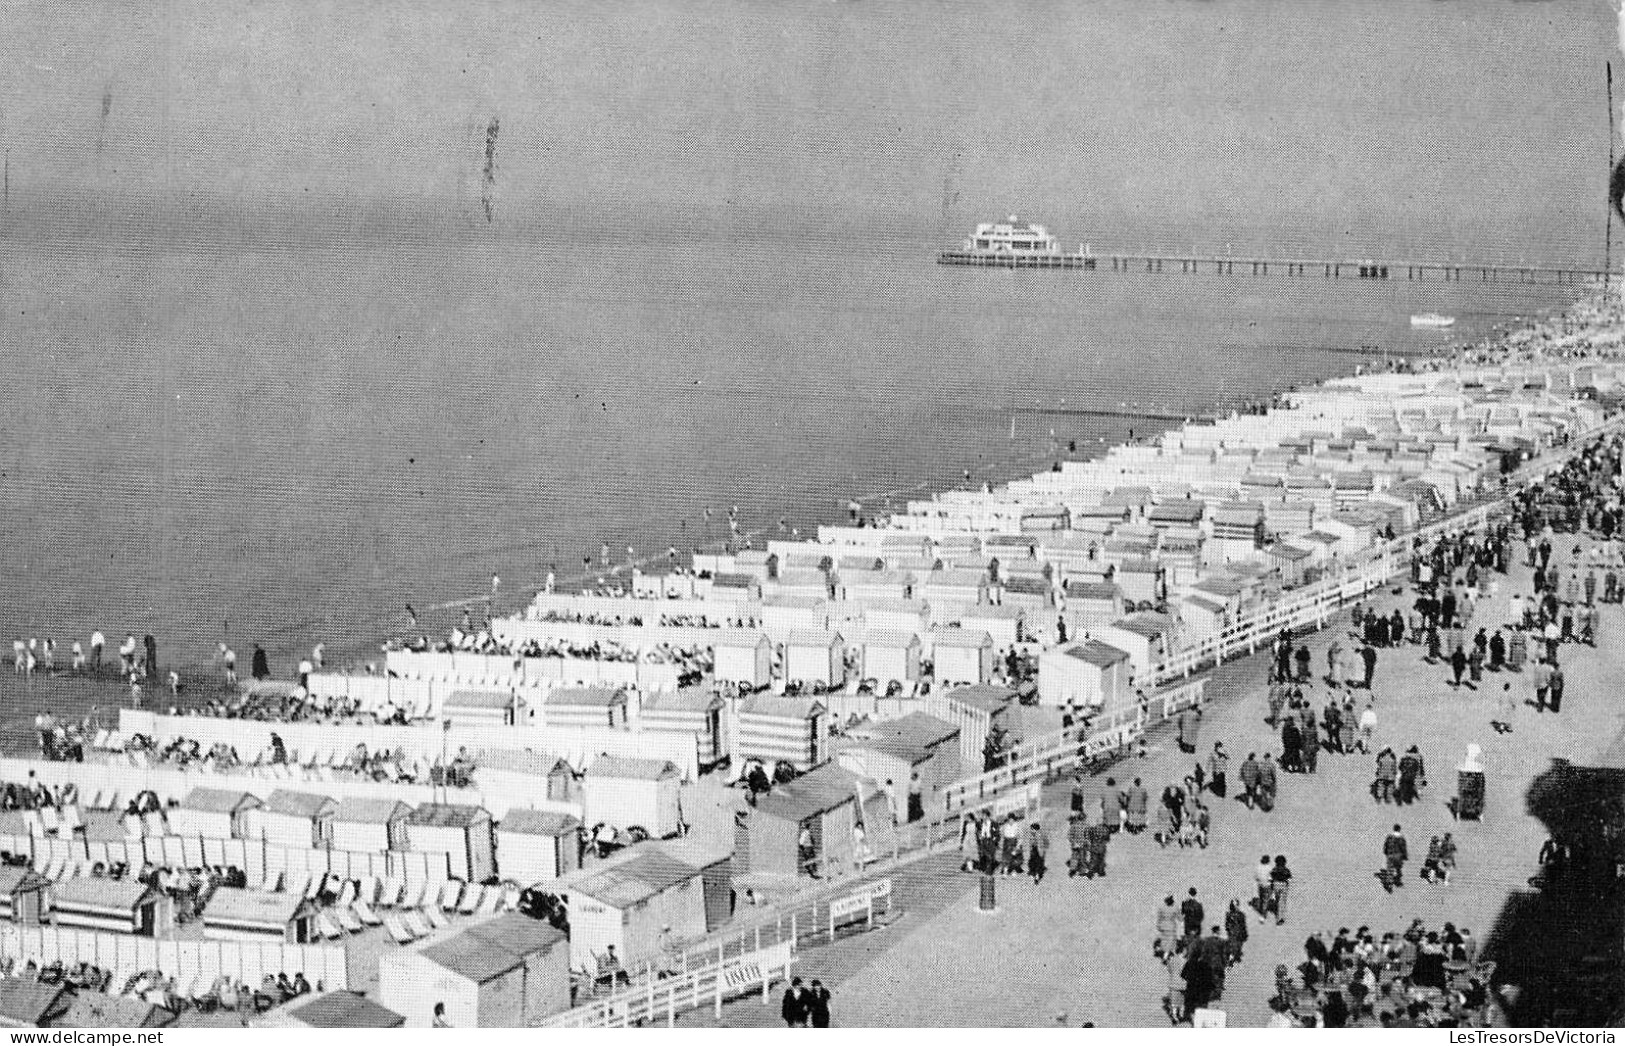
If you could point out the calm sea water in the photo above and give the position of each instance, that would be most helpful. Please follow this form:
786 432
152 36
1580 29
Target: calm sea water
276 394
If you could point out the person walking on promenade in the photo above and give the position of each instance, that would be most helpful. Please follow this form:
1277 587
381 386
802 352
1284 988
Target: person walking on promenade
78 658
1199 985
1167 819
1556 689
1218 764
818 998
1262 883
1541 677
1302 658
1475 668
1334 658
1037 852
1192 913
1077 840
1395 853
1311 744
1498 651
261 667
98 643
1235 931
1249 780
1382 789
1174 1002
1458 666
794 1007
1411 770
1100 837
1368 654
1216 951
1266 784
1170 924
1139 805
1368 726
1291 746
1190 726
1280 887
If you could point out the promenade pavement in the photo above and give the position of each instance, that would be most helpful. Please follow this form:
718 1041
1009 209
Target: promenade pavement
1083 948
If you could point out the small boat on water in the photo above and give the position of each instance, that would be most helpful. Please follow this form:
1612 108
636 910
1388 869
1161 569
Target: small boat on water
1432 321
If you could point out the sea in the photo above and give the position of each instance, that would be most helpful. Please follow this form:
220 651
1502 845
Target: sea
307 318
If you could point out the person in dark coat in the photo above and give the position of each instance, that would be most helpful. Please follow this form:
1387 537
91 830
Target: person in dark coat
1555 690
1334 1013
262 665
1249 779
818 1004
1100 837
1302 659
1291 746
1218 764
794 1007
1235 931
1498 651
1458 665
1395 853
1368 655
1410 768
1077 839
152 658
1217 953
1193 914
1266 784
1198 983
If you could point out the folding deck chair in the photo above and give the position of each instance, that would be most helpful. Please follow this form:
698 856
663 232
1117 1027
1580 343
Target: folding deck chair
472 896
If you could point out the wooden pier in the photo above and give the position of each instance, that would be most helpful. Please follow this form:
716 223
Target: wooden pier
1308 268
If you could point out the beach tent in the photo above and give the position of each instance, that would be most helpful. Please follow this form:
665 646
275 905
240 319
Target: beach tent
536 846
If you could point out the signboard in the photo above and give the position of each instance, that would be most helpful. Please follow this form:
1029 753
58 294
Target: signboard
861 901
751 969
1205 1018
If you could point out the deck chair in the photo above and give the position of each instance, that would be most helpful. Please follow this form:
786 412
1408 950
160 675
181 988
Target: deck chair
413 921
313 889
472 896
327 927
71 821
348 920
347 893
435 917
152 823
418 896
32 820
490 902
112 800
96 801
390 894
397 930
450 892
50 819
100 742
56 869
364 912
367 889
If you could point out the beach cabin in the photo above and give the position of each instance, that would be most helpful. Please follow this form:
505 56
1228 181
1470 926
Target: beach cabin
792 730
953 586
877 584
893 749
1090 604
627 901
462 832
585 706
624 792
1292 560
333 1010
691 711
298 819
714 862
536 846
1147 637
478 708
1003 623
1142 582
508 972
891 656
258 915
961 655
1284 518
1033 592
22 895
366 825
213 813
768 836
974 710
896 615
743 656
1090 674
815 657
782 615
734 588
114 906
